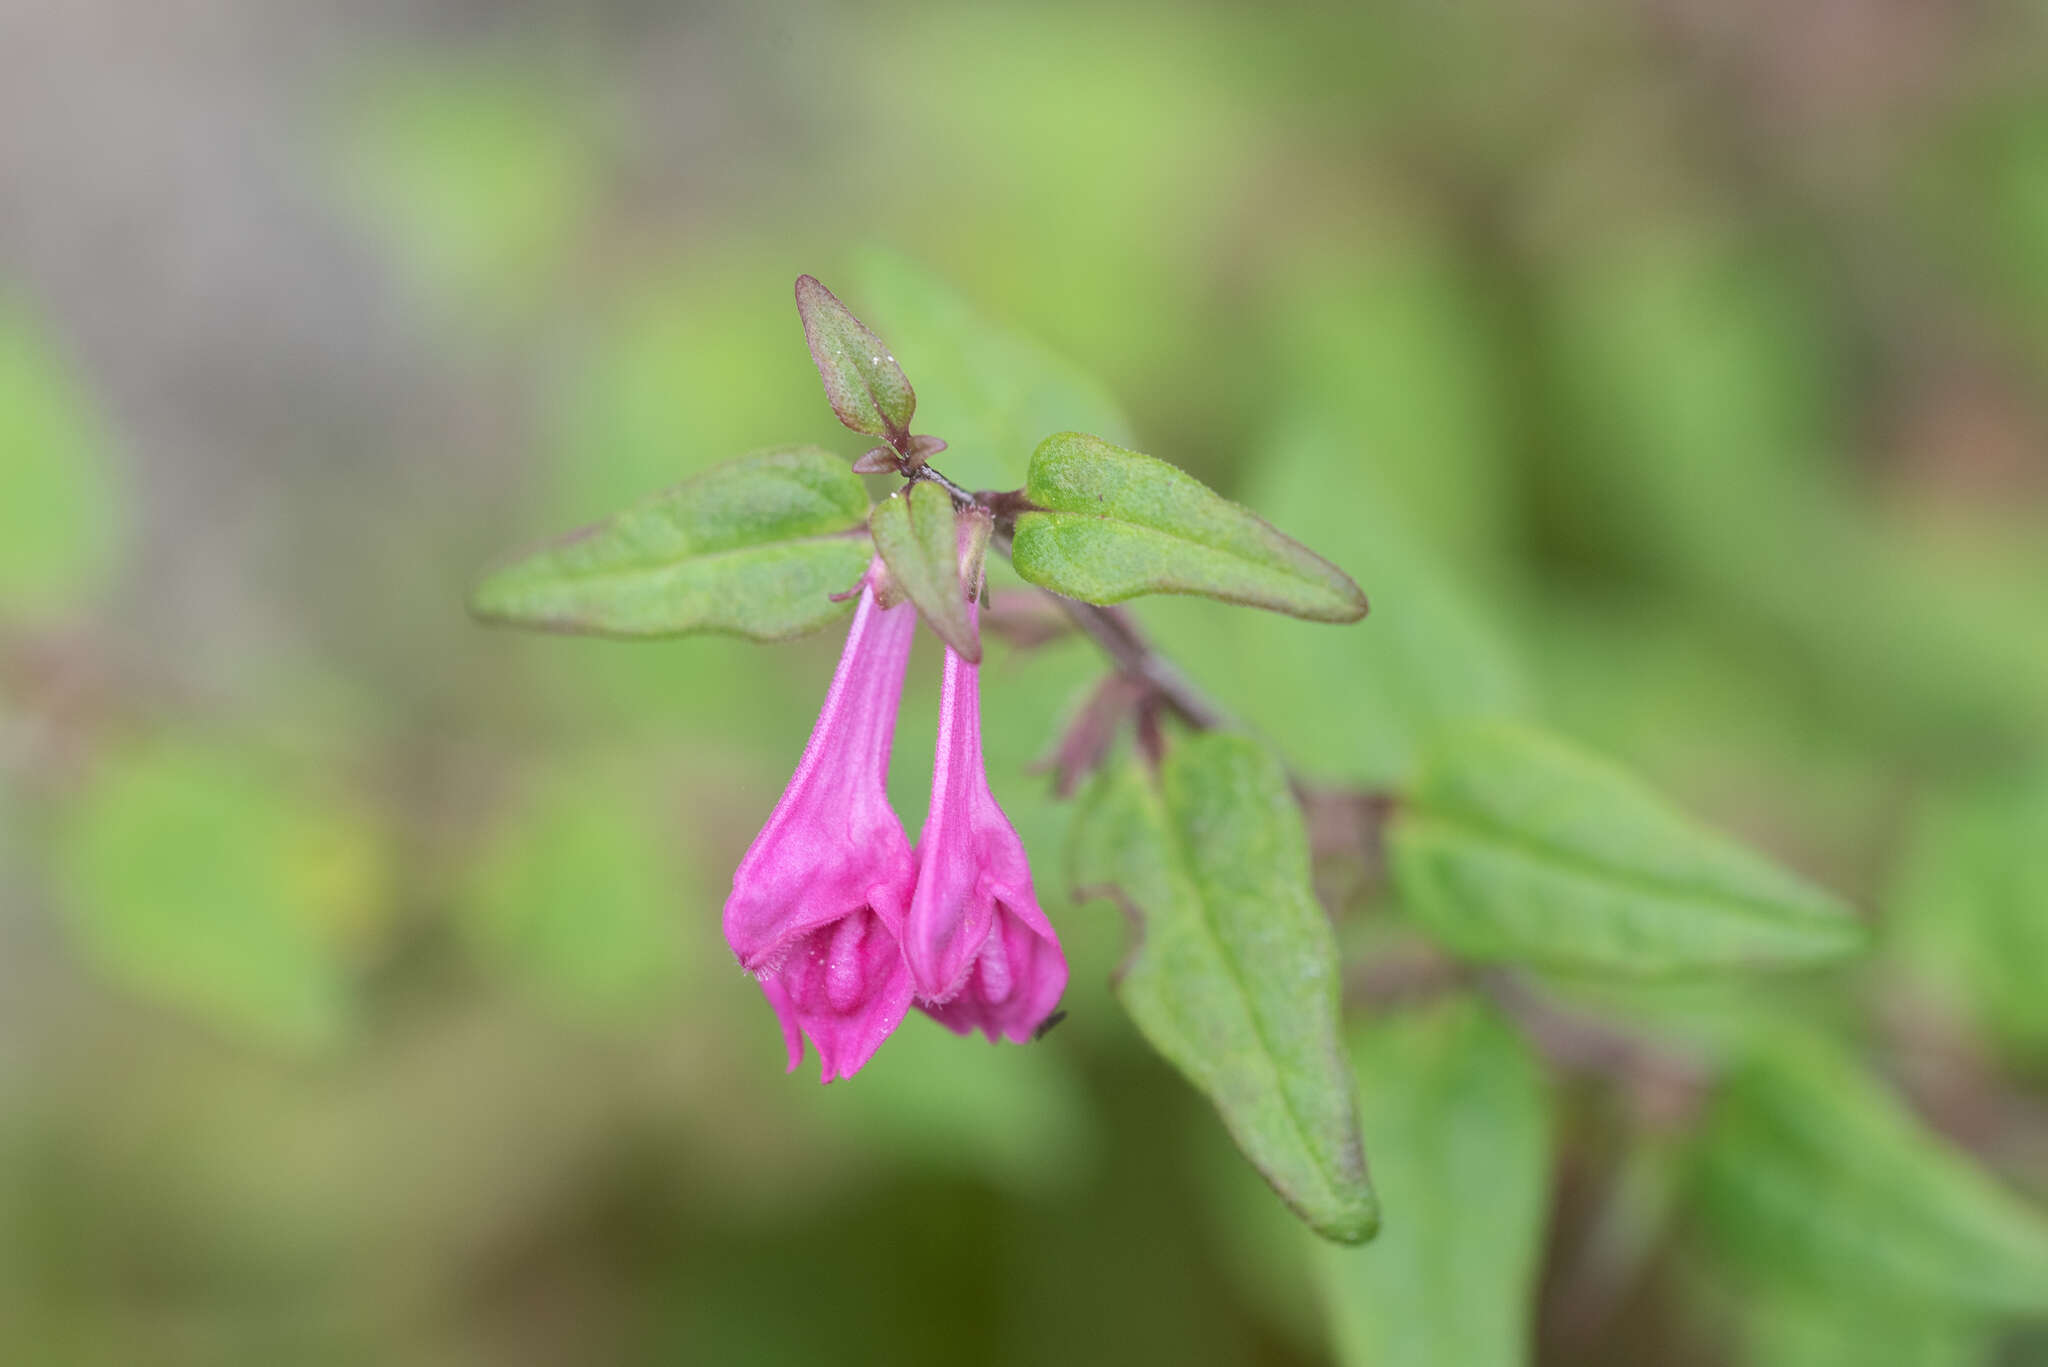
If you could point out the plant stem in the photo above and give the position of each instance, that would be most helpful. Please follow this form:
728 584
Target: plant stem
1113 630
930 474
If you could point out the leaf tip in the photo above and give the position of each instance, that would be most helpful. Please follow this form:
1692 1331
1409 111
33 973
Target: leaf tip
1358 1222
865 386
485 600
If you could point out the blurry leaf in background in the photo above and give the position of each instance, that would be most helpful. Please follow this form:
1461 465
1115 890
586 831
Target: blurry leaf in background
1809 1173
60 505
578 895
1454 1112
1791 1327
1014 1115
1233 973
481 175
992 395
1969 910
1117 523
1703 443
1389 454
1983 199
1703 1021
694 360
1694 373
1392 356
207 878
757 547
1514 845
1095 126
1358 704
1710 705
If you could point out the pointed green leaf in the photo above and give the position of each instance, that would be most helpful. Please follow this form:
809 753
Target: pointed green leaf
916 533
1233 977
866 387
1453 1105
1810 1171
1119 524
1514 845
755 547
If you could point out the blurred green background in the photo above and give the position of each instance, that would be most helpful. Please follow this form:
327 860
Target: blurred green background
1675 372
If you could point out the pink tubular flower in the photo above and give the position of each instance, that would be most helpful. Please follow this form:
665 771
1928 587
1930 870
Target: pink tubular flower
818 902
980 951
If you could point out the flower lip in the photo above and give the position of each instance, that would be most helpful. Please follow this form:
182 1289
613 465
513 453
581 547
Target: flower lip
846 987
1016 981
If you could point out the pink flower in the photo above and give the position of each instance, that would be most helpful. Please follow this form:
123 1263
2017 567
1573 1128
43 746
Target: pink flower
818 902
980 951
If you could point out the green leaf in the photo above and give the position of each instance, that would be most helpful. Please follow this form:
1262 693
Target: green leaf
755 547
1120 524
992 394
916 533
1234 974
866 387
1514 845
1786 1327
1811 1172
1453 1104
1967 911
60 519
203 879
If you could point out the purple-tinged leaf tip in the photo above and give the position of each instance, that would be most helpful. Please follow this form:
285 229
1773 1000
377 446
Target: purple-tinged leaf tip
918 450
866 387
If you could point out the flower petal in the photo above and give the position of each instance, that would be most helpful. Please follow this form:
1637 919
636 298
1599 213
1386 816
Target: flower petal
1014 985
846 987
980 951
833 845
966 840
